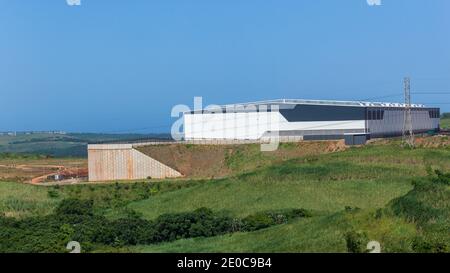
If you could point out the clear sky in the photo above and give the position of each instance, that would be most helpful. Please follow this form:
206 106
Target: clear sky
120 66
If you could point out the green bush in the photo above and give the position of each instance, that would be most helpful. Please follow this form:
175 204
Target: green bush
132 231
53 193
356 241
441 178
74 220
199 223
75 207
269 218
428 244
257 221
425 204
427 207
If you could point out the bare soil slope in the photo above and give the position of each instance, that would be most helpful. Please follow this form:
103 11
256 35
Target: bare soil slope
433 142
207 161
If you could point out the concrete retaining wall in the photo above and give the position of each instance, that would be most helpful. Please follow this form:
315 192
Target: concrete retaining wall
123 162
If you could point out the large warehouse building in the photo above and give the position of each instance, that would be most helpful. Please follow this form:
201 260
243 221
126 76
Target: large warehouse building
305 119
291 120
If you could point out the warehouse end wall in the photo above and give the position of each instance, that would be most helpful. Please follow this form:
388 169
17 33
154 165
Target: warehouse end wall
393 120
123 162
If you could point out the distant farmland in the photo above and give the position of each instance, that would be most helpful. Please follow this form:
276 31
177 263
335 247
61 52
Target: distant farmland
62 145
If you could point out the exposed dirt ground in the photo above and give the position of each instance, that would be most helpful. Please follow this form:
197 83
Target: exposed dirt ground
438 141
23 170
433 142
206 161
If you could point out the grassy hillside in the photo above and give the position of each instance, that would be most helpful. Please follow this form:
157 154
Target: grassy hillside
366 177
242 197
357 195
418 221
317 234
428 205
208 161
21 200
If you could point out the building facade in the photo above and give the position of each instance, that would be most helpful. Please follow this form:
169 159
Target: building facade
306 119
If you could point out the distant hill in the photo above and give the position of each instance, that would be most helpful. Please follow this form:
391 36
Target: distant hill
63 145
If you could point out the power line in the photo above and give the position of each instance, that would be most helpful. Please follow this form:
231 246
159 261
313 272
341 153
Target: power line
431 93
401 94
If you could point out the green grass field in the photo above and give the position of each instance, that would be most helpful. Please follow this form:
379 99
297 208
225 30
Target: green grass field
317 234
368 190
245 197
418 221
22 200
366 177
445 123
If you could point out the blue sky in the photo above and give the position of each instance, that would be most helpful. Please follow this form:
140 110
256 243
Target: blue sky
120 66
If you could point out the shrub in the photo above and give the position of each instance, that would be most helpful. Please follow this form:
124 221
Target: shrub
53 193
297 213
132 231
74 220
441 178
257 221
351 209
425 204
199 223
269 218
356 241
75 207
422 244
236 225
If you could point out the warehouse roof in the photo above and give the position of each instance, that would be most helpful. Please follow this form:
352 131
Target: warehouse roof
326 102
290 103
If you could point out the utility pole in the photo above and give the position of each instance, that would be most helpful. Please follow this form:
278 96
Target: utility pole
408 134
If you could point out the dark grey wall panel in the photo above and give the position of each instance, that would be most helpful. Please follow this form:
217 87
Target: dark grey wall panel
356 139
287 133
323 113
323 137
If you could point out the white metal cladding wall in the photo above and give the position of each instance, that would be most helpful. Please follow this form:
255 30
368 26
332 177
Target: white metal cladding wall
393 119
253 125
250 125
122 162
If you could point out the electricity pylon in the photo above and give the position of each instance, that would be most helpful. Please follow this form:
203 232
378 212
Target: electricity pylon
408 133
